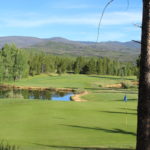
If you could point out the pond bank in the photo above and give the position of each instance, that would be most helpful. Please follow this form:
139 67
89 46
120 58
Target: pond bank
37 88
76 97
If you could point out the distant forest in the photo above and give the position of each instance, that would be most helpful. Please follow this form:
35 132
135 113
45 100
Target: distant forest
17 63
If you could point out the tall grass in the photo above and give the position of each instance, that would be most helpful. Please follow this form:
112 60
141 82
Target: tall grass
6 146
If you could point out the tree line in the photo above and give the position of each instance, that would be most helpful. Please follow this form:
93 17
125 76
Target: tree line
17 63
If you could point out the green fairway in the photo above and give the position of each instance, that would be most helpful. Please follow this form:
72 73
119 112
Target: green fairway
72 81
103 121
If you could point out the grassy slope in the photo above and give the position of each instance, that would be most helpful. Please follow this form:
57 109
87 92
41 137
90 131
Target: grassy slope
100 122
72 81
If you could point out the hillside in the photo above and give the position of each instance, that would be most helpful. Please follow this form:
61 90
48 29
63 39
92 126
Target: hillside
127 51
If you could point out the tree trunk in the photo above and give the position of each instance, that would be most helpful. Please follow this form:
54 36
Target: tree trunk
143 129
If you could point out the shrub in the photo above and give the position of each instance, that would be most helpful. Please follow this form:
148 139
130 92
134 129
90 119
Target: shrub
126 85
100 85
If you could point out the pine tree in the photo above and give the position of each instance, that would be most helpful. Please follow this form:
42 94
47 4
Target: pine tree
91 67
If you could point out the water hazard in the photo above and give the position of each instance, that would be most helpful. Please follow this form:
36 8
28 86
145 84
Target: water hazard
35 94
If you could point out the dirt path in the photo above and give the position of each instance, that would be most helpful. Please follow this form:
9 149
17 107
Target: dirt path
77 97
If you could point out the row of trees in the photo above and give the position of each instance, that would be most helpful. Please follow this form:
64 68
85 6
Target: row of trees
103 66
16 64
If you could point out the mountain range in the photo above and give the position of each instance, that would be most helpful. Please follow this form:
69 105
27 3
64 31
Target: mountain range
124 51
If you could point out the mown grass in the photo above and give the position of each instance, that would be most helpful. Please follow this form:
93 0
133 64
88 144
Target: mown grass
103 121
72 81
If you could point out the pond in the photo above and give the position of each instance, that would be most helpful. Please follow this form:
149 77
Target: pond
35 94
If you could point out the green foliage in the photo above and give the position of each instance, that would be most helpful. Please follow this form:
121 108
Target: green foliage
105 49
103 66
79 65
17 64
6 146
91 67
13 63
128 85
125 85
1 69
11 94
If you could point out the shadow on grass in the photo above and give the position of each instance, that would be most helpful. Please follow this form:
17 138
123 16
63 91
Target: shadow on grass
71 87
131 109
103 77
94 89
112 90
117 131
123 94
80 148
104 89
115 112
132 99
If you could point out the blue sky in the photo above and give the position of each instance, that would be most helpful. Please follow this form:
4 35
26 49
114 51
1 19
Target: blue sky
72 19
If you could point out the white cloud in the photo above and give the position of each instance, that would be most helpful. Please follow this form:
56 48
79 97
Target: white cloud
122 18
114 18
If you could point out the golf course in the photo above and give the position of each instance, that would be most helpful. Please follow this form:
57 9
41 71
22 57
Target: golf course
102 119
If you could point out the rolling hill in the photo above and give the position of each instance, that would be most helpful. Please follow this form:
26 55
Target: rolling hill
125 51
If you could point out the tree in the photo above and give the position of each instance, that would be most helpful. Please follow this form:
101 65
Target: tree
61 67
13 63
1 69
143 129
6 54
99 66
91 66
20 66
78 65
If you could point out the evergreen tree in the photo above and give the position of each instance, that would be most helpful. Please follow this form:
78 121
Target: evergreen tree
92 66
78 65
1 69
99 66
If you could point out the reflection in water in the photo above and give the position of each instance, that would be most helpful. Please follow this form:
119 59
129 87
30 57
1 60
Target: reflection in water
35 94
63 98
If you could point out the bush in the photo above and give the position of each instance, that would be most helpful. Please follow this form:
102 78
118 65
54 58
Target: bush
126 85
100 85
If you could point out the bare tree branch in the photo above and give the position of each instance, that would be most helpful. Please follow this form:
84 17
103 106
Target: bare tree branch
137 41
103 11
100 21
137 25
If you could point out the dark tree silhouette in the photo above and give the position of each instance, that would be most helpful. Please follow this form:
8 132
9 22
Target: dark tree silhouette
143 129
